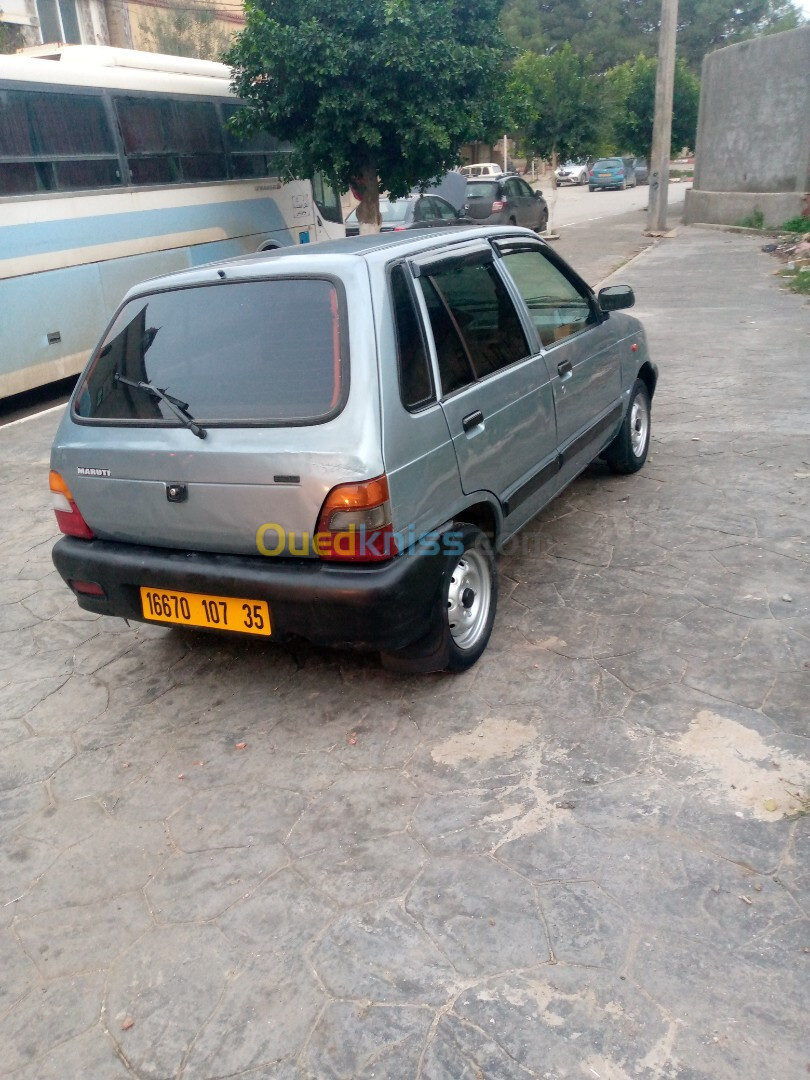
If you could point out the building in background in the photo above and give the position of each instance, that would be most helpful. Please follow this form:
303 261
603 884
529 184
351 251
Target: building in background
200 28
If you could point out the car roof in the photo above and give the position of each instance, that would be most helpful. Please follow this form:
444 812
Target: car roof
327 256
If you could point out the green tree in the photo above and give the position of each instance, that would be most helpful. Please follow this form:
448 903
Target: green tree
557 103
11 38
373 93
613 31
180 30
630 88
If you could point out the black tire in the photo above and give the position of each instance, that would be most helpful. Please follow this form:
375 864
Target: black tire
470 593
623 185
512 221
541 228
591 187
628 451
443 647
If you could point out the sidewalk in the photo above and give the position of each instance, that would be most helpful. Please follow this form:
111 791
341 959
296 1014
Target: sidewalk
587 857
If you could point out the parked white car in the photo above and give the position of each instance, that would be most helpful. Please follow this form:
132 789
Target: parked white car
572 172
483 168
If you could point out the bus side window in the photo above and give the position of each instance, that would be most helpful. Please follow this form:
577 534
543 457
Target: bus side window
60 142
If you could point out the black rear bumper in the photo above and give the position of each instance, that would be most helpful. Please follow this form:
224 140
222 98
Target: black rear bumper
383 606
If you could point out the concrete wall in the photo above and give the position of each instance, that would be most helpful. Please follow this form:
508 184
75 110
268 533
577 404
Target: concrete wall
753 143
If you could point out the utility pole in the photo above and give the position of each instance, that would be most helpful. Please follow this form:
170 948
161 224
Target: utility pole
662 123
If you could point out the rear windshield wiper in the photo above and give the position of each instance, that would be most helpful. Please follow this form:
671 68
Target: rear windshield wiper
175 405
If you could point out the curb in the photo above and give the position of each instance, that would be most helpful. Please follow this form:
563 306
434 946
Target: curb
639 255
741 229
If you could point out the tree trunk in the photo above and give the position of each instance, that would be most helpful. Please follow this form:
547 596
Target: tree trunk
552 200
366 187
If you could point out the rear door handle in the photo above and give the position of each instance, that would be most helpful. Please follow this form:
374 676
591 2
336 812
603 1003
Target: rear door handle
473 420
564 368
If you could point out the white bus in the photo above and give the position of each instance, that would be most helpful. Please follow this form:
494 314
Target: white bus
115 166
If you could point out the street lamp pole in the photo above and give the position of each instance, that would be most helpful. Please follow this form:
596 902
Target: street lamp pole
662 122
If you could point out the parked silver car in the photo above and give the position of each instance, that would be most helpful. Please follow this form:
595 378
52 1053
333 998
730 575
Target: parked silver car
572 172
333 441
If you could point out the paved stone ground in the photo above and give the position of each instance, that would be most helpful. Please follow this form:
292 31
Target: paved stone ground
584 858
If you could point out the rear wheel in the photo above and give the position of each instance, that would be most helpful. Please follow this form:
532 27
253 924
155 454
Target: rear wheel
469 597
628 451
591 187
464 611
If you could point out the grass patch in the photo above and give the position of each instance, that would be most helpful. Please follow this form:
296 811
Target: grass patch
800 282
797 225
753 221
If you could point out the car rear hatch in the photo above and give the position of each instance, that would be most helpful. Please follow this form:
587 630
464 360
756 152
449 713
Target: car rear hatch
483 200
217 416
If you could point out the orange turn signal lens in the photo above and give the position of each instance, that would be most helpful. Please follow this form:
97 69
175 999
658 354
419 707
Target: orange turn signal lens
355 523
68 515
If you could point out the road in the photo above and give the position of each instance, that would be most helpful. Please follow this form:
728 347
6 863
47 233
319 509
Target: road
587 856
578 206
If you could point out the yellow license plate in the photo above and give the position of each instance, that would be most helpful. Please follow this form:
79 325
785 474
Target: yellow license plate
211 612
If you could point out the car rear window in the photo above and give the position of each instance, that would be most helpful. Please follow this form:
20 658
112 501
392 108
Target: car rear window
482 190
259 351
608 163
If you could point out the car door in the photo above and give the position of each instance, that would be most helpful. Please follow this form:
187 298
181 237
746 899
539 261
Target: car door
580 351
529 204
495 390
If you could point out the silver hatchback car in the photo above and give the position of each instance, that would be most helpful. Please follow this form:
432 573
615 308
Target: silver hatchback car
334 441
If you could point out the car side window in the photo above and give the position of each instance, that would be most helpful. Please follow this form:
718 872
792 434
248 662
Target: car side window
475 325
556 306
512 189
523 189
444 210
415 378
426 209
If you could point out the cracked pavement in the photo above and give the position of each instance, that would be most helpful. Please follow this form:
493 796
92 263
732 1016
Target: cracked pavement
588 856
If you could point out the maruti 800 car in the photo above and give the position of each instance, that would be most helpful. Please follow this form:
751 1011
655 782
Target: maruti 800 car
333 441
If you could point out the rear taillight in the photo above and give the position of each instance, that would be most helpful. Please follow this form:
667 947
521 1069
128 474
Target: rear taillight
68 515
399 228
497 205
355 523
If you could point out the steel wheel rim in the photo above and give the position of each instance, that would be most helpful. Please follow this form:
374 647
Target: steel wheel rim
639 425
469 595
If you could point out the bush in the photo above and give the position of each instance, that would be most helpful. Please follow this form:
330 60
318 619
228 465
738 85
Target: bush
797 225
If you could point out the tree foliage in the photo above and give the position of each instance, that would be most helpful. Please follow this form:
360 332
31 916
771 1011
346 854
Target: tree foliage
184 31
372 91
630 89
557 103
613 31
11 38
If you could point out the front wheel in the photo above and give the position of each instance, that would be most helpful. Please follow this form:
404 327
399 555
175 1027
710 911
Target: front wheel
628 451
541 228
